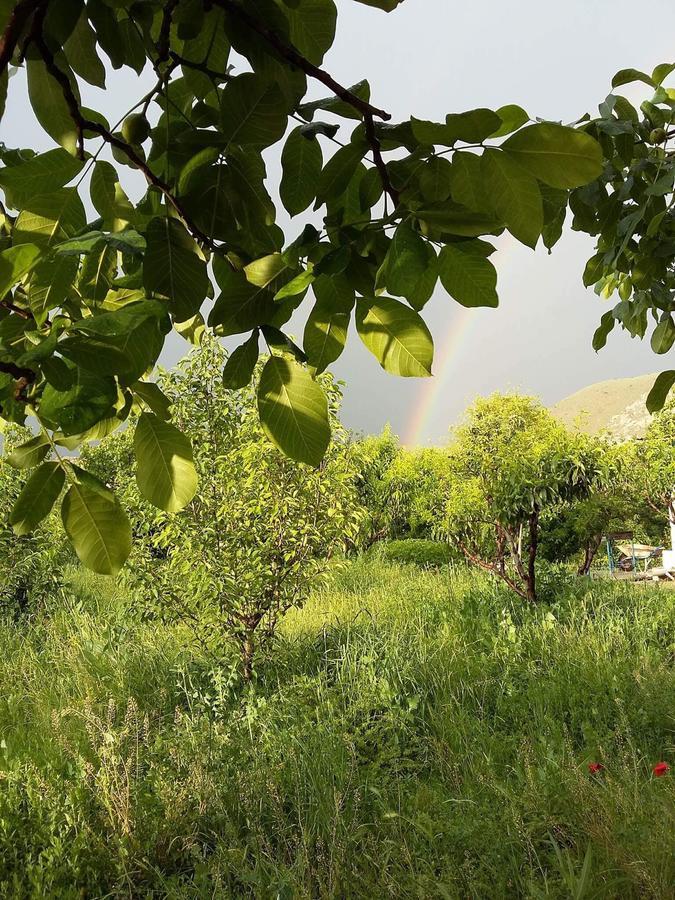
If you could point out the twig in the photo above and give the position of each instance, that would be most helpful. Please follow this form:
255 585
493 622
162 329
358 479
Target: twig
18 373
23 313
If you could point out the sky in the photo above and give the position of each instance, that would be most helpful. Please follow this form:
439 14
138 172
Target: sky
428 58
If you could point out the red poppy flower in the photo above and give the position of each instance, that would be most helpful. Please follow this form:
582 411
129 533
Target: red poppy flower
661 769
594 768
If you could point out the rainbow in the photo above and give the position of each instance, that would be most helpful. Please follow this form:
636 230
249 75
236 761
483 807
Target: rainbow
432 389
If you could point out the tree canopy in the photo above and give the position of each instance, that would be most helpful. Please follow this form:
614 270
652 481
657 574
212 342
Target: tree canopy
92 278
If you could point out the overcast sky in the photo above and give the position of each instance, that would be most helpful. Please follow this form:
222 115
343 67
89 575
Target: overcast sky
431 57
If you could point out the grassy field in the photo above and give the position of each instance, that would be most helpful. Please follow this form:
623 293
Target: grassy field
413 735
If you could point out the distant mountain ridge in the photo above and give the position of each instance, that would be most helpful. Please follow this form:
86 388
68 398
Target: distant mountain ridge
616 406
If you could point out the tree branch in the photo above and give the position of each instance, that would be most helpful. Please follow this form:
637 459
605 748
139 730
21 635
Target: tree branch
18 373
291 55
16 23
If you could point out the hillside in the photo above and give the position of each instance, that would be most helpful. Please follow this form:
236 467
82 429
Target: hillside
616 406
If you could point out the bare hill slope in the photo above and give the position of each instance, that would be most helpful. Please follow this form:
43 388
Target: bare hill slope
616 406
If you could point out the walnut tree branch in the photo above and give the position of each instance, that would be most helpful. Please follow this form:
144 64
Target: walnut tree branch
18 19
295 58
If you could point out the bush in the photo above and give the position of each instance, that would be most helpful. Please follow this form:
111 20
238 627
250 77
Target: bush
427 554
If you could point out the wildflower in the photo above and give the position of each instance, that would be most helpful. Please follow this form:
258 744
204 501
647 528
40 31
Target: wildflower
594 768
661 769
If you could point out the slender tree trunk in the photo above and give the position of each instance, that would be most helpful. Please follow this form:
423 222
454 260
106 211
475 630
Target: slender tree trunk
592 547
531 580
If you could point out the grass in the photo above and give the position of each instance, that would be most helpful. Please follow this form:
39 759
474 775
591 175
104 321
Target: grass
413 734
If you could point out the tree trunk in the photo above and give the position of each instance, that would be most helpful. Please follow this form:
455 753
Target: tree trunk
531 580
592 547
247 654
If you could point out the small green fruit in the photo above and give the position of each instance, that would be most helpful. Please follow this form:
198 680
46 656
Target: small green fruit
135 129
657 136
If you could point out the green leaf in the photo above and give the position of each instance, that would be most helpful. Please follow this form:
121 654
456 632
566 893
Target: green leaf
663 335
338 172
293 410
436 178
15 262
336 106
466 182
84 403
253 112
108 197
515 196
658 395
457 219
96 524
607 323
262 272
325 335
396 335
471 127
467 275
37 498
238 370
556 155
296 285
241 306
513 117
312 28
174 268
153 397
122 320
301 163
48 103
627 76
50 283
49 219
82 53
29 454
165 474
38 175
97 274
406 261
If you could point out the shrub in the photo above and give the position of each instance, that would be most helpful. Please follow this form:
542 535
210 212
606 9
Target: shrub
419 552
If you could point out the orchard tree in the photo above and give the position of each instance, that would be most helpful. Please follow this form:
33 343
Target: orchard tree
510 463
651 466
375 456
418 484
93 277
262 530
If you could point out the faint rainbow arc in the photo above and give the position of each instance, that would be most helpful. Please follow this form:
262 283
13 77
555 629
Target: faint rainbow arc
430 391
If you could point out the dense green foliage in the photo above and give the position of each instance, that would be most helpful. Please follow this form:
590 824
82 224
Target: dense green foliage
86 301
415 734
420 552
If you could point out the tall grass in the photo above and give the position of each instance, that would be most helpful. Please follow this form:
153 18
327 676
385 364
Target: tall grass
413 734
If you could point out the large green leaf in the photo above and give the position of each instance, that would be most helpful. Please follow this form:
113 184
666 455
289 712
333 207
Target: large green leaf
165 473
82 52
15 262
238 370
560 156
153 397
325 335
81 405
470 127
174 268
108 197
514 195
49 105
396 335
49 219
241 306
37 498
253 111
467 275
293 410
40 174
312 27
338 172
96 524
658 395
50 282
29 454
406 262
466 182
301 163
